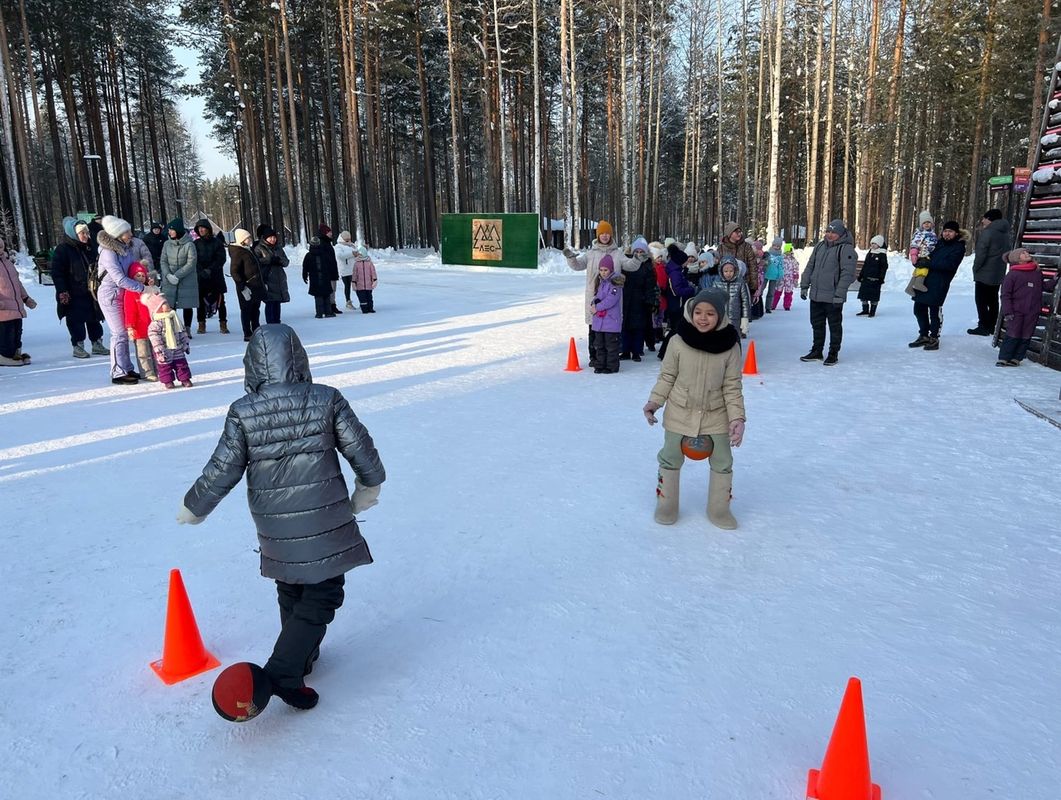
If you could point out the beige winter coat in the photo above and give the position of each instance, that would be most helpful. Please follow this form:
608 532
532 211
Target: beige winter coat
700 392
590 261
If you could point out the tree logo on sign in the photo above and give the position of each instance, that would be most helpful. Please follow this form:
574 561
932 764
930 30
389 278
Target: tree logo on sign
486 239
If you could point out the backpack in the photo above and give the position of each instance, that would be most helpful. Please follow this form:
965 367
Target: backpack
95 280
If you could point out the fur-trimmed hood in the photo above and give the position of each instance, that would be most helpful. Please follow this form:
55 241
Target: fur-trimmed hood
109 242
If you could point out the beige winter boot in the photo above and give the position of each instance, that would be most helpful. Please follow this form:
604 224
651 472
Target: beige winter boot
667 496
719 491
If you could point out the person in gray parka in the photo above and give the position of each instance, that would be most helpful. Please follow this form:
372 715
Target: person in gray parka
180 280
287 433
825 280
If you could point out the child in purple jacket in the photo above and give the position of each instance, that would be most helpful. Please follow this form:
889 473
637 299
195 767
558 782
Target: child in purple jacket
606 320
1022 303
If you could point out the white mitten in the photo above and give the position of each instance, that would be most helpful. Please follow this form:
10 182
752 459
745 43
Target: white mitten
173 279
246 293
186 517
744 326
364 497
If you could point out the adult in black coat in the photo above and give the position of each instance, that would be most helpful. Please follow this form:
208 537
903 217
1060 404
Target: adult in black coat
331 264
637 303
247 275
315 272
989 269
73 259
942 267
210 268
272 261
155 241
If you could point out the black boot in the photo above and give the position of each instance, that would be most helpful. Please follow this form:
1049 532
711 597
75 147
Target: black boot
865 310
920 341
932 343
873 309
813 355
303 697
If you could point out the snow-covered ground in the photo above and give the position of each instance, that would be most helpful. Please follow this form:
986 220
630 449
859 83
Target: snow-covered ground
526 630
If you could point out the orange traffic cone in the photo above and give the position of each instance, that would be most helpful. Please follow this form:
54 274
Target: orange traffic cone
183 654
845 771
750 367
572 358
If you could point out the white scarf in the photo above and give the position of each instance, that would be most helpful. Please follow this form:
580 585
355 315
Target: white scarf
171 325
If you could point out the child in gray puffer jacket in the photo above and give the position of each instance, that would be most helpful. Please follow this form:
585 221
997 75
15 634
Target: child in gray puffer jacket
287 433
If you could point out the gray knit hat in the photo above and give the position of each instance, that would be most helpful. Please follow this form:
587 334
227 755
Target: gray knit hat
718 299
837 226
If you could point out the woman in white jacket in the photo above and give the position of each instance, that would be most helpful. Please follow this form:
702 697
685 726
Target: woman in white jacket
345 254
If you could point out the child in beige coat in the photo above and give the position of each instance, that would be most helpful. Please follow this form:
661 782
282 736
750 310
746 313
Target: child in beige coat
700 386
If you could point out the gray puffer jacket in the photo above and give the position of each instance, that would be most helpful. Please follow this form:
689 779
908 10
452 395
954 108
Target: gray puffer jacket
285 433
831 270
988 266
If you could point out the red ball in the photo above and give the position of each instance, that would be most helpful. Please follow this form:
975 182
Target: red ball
697 447
241 692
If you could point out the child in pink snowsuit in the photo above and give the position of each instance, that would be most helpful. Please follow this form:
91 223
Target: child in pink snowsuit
169 341
789 279
365 280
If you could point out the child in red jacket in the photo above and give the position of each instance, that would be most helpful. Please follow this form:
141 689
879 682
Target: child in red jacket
137 318
1022 303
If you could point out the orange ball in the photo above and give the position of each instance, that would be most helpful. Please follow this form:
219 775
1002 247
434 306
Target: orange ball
697 447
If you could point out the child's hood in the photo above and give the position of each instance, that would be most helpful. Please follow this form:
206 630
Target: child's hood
275 355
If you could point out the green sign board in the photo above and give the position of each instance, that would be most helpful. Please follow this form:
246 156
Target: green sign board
1000 180
490 240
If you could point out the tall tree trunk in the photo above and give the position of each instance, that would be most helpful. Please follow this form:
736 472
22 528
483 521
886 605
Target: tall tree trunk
454 120
425 122
893 120
14 188
772 228
866 193
827 155
299 226
1038 90
978 131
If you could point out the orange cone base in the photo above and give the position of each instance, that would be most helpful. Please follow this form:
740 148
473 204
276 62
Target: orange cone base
812 788
169 678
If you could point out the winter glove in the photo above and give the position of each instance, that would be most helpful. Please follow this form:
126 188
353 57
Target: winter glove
650 410
64 298
802 294
186 517
744 326
602 314
569 253
736 432
246 293
839 301
364 497
29 302
173 279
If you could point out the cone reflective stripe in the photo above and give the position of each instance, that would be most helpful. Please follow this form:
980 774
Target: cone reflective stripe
183 653
845 771
750 367
572 358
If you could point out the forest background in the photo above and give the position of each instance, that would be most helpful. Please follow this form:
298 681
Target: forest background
667 118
